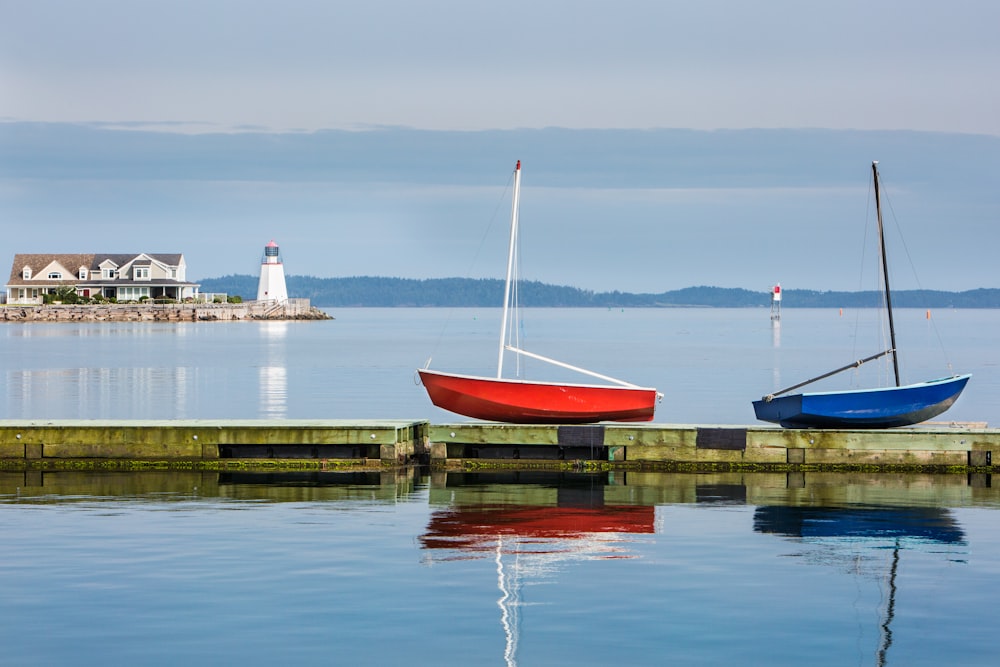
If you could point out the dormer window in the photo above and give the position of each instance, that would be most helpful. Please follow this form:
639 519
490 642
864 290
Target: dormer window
140 273
26 273
55 275
108 274
83 273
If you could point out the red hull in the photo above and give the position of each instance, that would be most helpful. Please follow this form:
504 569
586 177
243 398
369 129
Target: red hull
522 402
477 528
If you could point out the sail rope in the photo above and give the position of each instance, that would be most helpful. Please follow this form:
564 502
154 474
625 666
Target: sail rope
863 273
869 281
504 197
877 284
916 279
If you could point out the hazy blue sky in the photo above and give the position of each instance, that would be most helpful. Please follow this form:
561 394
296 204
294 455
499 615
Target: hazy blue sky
602 210
460 64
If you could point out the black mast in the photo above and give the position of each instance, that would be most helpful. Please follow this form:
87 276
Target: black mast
885 273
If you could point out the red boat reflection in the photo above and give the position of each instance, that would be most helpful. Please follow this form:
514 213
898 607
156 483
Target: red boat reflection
477 528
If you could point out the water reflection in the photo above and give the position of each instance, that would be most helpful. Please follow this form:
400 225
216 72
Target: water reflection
183 485
531 524
468 509
849 537
273 374
102 393
534 523
273 392
471 510
534 527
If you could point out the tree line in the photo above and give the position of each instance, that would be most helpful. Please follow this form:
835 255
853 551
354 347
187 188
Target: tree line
380 292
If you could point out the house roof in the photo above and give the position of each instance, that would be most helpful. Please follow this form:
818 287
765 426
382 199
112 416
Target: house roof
119 259
72 263
38 263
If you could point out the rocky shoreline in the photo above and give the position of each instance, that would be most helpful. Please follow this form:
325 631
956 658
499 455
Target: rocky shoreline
293 309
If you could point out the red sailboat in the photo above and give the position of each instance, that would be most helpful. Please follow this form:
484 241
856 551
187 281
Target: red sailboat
519 401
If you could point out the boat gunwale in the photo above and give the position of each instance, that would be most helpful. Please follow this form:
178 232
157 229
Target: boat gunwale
874 390
575 385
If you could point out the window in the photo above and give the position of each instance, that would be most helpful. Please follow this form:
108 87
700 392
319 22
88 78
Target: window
83 273
55 275
140 273
26 273
108 274
132 293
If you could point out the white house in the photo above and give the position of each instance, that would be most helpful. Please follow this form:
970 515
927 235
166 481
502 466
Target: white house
121 277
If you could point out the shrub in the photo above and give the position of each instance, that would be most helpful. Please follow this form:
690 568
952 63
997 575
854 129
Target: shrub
63 294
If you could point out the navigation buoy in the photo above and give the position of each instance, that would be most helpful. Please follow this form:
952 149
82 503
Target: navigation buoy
776 302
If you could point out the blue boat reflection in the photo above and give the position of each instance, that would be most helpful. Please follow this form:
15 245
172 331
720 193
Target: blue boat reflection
842 528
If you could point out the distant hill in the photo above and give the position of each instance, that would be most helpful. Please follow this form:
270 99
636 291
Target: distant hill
377 292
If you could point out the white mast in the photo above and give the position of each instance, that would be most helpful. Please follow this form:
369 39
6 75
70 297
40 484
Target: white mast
510 266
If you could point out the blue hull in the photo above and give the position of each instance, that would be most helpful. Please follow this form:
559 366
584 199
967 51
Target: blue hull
866 408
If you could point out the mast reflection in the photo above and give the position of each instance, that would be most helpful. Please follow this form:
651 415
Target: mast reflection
839 531
530 526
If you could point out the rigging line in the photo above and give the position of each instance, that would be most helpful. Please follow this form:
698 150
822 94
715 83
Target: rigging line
869 198
916 276
871 281
475 257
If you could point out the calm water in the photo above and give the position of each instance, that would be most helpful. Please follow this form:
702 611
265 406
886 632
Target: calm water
709 363
489 569
515 569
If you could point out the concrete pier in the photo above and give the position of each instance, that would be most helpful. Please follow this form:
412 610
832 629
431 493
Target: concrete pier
320 444
208 443
653 446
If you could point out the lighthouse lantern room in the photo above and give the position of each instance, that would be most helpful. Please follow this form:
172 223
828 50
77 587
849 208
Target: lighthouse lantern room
272 275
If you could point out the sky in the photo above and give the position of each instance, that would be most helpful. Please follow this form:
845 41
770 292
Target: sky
275 69
454 64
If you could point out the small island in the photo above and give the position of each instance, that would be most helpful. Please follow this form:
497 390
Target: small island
139 287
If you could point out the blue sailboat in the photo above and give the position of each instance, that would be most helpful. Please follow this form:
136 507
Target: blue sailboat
884 407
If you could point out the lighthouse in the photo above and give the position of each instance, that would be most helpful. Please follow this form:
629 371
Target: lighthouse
272 276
